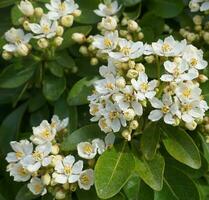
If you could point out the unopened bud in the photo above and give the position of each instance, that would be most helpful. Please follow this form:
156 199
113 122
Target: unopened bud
39 11
194 6
132 73
60 194
207 127
140 35
126 134
94 61
6 55
202 78
206 36
123 33
60 31
124 21
191 126
149 59
26 7
191 37
120 82
77 13
198 28
132 25
58 41
129 114
66 186
83 50
46 179
22 50
67 20
197 19
131 64
109 23
140 67
55 149
79 37
43 43
134 125
26 25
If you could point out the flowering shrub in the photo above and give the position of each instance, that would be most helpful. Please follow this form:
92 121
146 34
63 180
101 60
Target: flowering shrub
104 99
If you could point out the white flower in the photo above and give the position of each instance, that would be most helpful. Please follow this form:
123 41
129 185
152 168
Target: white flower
43 133
58 124
40 157
58 8
204 6
165 108
109 69
103 125
194 57
108 9
87 150
21 149
168 47
86 179
17 39
178 71
128 50
36 186
106 43
19 173
103 145
187 91
109 23
67 170
114 116
128 99
46 28
26 7
95 110
144 88
194 5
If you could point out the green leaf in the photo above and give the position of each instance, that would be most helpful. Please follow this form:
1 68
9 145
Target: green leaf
151 171
87 195
5 3
53 87
149 140
65 60
36 100
132 187
68 41
15 15
130 2
205 91
25 194
133 14
9 95
15 75
85 133
80 91
55 69
177 186
2 198
166 8
205 147
145 193
10 127
181 146
113 170
88 16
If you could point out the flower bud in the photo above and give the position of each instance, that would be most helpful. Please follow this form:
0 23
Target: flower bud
60 194
55 149
191 37
43 43
6 55
198 28
131 64
109 23
140 35
149 59
126 134
83 50
194 6
202 78
58 41
26 7
140 67
55 159
21 20
132 73
46 179
129 114
206 36
94 61
73 187
22 50
79 37
176 121
39 12
134 125
191 126
60 31
123 33
124 21
26 25
207 127
77 13
132 25
53 183
67 20
66 186
197 19
120 82
129 37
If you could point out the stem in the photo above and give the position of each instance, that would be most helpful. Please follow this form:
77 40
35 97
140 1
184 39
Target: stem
158 67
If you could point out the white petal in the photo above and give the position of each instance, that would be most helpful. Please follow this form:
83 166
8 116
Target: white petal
155 115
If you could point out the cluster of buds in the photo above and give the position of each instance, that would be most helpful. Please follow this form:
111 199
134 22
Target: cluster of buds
46 28
47 168
199 5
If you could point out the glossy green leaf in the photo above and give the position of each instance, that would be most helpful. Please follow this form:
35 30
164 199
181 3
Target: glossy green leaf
113 170
205 90
53 87
5 3
25 194
130 2
149 140
55 69
145 193
177 186
166 8
181 146
15 15
68 41
83 134
15 75
133 14
80 91
151 171
10 127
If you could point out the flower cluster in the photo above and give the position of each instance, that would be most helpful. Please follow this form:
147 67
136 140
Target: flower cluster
41 161
199 5
46 28
125 91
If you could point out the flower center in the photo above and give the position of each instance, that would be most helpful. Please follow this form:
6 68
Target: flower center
166 47
46 29
94 110
186 108
129 97
113 115
193 62
62 6
187 92
165 109
144 86
84 179
107 42
109 86
126 50
37 155
21 171
19 154
88 149
67 170
103 123
46 134
37 188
